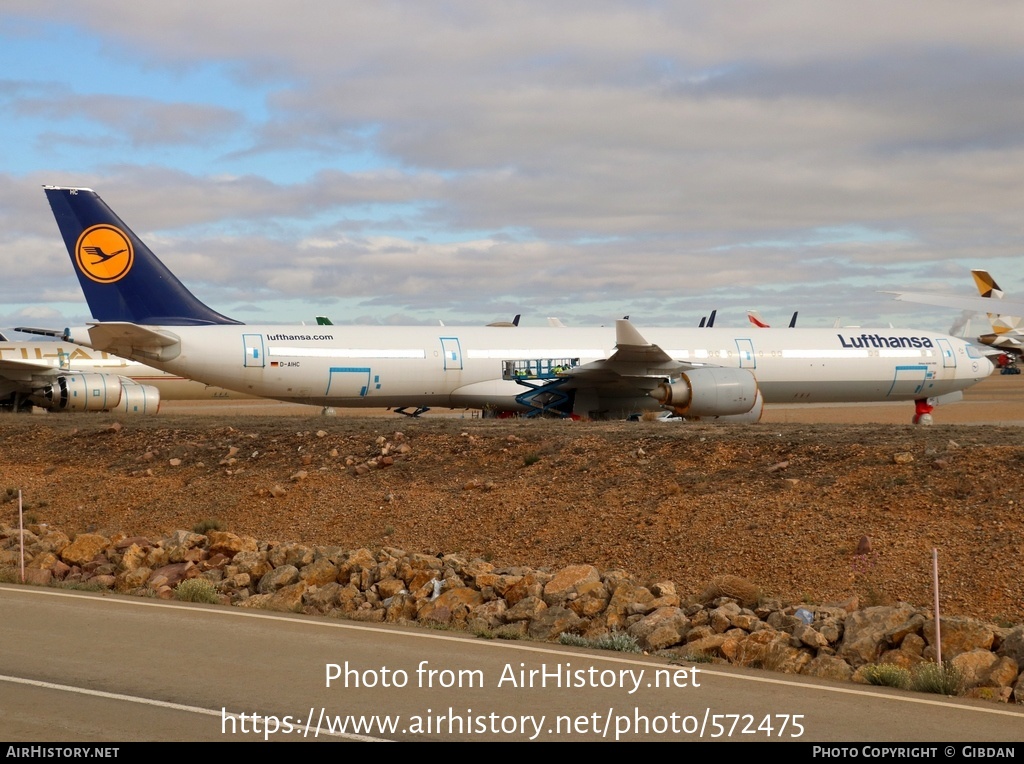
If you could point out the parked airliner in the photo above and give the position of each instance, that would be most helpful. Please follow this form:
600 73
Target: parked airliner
60 376
142 311
1006 318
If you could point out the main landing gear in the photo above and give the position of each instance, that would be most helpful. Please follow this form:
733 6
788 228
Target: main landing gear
923 411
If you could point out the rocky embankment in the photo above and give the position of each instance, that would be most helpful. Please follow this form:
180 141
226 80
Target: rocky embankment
784 507
728 621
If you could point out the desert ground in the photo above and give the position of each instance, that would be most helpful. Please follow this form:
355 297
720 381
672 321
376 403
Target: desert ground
784 503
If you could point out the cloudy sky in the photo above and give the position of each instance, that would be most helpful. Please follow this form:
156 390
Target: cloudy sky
409 162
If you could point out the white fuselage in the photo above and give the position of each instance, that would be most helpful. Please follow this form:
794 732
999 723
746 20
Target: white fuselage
372 366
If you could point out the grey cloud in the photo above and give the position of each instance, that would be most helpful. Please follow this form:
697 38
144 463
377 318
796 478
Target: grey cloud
136 121
585 158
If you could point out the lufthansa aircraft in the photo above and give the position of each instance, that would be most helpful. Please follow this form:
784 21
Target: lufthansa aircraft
143 312
66 377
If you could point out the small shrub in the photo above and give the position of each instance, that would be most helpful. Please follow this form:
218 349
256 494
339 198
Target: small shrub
204 526
573 640
886 675
739 589
80 586
530 459
618 641
694 656
439 626
9 575
941 679
196 590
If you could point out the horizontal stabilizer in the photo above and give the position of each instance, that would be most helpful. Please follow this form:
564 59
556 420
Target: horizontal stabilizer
126 339
58 333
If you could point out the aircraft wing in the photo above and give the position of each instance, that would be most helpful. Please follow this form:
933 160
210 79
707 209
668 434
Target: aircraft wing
13 366
636 363
17 375
689 389
958 302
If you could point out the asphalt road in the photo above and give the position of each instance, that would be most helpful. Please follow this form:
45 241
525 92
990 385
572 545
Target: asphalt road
87 667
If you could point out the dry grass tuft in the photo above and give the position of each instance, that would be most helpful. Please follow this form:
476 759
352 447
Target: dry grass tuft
739 589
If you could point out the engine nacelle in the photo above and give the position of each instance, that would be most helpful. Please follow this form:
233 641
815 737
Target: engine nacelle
751 417
96 392
138 399
711 392
80 392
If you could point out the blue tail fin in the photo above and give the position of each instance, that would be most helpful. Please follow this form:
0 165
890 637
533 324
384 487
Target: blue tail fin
122 279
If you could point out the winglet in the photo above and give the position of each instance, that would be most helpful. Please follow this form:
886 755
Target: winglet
630 346
626 335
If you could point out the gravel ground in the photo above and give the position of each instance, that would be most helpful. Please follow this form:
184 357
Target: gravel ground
783 503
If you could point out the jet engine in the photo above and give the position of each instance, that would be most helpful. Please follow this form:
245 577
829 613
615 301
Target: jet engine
138 399
96 392
712 391
751 417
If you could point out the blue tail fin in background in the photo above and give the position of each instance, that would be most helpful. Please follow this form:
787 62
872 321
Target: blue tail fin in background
122 279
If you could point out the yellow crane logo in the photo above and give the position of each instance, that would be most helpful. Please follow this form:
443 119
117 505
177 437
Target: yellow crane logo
104 253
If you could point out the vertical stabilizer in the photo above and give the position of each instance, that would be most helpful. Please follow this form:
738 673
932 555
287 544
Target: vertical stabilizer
121 278
1002 323
987 286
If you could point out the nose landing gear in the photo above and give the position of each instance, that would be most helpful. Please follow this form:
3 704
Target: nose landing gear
923 411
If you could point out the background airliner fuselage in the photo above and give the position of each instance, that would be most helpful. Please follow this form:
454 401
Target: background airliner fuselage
34 373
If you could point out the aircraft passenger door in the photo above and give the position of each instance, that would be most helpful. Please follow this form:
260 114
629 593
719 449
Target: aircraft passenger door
350 382
452 353
948 357
909 380
745 351
254 355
